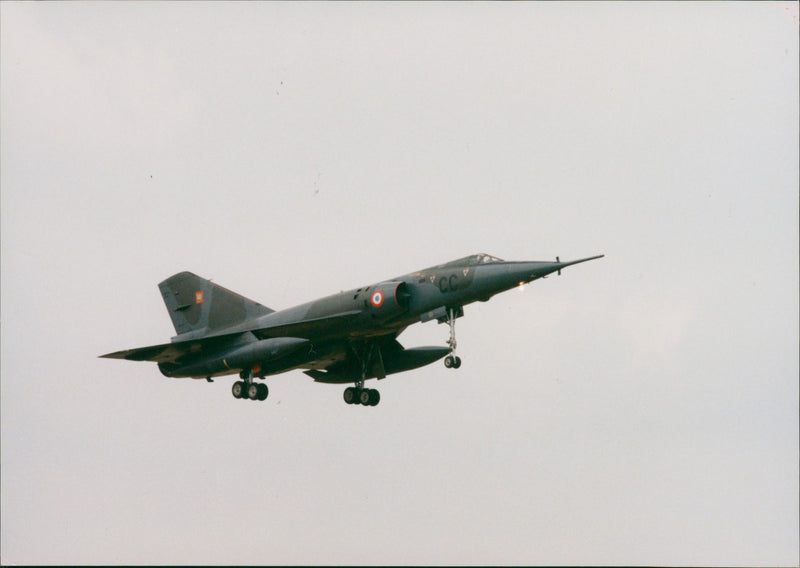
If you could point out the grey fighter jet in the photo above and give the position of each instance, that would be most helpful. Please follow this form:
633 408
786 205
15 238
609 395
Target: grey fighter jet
345 338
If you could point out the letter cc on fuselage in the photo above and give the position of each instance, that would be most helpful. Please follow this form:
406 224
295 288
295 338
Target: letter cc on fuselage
448 284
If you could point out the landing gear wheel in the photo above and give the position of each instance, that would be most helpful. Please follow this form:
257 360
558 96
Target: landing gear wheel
252 391
263 391
364 397
374 397
449 362
457 362
238 389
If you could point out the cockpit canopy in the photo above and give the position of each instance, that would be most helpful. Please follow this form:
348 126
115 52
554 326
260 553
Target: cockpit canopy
472 260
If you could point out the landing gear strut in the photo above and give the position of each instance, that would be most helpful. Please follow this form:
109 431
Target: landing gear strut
248 389
358 394
452 361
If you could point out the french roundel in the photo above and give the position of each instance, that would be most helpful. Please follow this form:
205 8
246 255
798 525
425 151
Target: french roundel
377 299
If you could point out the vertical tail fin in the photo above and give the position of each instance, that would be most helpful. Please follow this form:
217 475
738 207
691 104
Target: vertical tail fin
196 304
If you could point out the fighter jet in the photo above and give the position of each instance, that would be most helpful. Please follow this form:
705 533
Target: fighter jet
349 337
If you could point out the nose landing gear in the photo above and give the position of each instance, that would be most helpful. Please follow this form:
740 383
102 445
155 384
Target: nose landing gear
452 361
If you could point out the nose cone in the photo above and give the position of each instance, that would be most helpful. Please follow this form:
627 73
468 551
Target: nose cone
534 270
500 276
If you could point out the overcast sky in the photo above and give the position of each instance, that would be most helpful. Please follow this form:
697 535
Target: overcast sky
639 409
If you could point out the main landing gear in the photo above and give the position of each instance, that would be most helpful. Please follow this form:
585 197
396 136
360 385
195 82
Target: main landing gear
452 361
367 356
248 389
360 395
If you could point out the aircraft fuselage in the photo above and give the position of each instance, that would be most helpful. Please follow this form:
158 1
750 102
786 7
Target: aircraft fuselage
345 337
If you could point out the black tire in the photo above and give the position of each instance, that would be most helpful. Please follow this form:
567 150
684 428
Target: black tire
448 361
238 389
457 363
350 395
364 397
252 391
374 397
263 391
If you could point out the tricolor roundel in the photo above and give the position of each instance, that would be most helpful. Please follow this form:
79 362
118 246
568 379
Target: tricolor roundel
377 299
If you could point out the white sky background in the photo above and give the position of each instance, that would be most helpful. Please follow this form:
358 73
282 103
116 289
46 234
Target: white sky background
642 408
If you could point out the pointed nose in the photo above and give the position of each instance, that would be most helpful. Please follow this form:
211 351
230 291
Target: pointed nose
540 269
498 277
